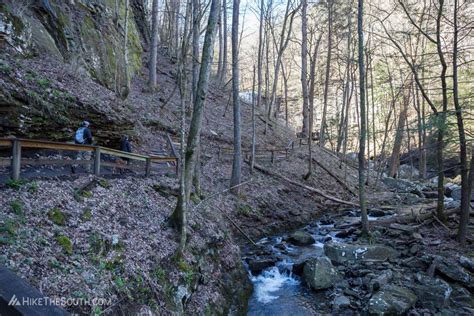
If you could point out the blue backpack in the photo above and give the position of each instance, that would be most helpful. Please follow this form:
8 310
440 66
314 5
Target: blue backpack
79 138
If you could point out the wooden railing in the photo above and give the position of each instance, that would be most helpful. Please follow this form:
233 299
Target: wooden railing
272 153
18 143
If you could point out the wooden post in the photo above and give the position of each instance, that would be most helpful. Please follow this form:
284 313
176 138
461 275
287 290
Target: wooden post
16 160
273 157
97 161
148 167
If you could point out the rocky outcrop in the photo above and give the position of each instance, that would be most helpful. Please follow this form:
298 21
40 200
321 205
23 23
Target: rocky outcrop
319 273
391 300
88 35
341 253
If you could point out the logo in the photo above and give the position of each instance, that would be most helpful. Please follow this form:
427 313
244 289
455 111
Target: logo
14 301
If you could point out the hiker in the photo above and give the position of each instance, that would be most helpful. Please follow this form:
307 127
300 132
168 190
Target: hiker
83 136
125 144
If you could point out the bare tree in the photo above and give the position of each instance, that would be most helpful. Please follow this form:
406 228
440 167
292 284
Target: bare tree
363 130
322 136
178 217
237 162
154 46
465 185
304 66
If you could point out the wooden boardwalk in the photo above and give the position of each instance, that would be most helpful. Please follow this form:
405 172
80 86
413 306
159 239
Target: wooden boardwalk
117 160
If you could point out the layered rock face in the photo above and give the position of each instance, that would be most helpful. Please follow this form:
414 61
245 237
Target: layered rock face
87 34
62 62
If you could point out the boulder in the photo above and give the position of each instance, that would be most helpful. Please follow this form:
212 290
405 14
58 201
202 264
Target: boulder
408 172
391 300
341 252
432 292
320 274
401 185
301 238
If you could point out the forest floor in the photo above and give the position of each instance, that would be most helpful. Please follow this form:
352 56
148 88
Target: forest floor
88 237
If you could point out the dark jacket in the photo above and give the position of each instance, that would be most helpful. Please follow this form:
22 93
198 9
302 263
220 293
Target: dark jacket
87 136
125 145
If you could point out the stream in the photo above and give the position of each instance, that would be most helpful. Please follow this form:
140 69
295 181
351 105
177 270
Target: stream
278 288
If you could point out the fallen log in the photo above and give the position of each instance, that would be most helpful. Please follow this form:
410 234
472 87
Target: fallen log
311 189
342 183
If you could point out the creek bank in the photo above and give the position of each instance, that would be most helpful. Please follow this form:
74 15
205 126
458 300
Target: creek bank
394 272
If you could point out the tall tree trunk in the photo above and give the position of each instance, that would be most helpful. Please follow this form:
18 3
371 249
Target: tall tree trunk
254 130
397 144
284 40
182 83
223 76
322 136
362 199
465 185
304 67
126 84
260 55
285 89
193 144
312 76
442 115
196 29
154 46
237 162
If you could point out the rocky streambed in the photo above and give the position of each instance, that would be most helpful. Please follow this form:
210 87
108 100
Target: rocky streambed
326 267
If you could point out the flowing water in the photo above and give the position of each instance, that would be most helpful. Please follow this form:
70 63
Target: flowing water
277 290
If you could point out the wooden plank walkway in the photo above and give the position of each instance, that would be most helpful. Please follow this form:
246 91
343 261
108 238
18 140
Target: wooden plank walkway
97 162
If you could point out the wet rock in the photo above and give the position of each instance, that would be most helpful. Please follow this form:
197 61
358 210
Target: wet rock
256 265
346 232
301 238
376 213
391 300
326 220
432 292
340 302
449 188
467 263
324 239
320 274
341 253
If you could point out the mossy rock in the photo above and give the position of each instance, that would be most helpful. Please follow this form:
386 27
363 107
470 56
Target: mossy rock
65 243
57 216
